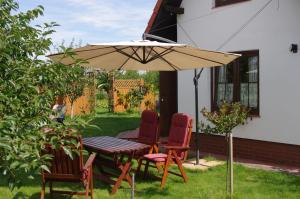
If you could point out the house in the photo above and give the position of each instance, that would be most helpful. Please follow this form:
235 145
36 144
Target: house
265 78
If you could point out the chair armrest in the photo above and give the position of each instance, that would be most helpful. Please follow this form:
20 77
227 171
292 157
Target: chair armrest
90 161
176 147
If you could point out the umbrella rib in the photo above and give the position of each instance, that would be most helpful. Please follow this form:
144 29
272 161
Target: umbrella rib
149 53
134 53
93 56
198 57
102 55
144 53
165 52
125 61
126 54
170 64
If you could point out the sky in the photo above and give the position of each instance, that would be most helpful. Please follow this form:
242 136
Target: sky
94 21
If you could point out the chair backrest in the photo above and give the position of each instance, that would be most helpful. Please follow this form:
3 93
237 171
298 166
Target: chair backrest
180 132
148 132
62 164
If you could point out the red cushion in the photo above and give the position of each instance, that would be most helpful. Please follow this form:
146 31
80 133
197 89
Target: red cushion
179 131
156 157
148 127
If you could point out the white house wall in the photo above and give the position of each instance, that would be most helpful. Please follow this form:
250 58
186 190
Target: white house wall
271 32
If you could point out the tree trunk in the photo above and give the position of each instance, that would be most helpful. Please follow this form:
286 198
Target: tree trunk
231 163
72 111
111 93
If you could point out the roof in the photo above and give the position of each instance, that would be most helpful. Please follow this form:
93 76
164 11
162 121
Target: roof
163 19
153 16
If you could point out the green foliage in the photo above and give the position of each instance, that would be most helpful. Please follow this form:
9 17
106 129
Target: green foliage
28 87
104 82
129 74
74 84
148 104
133 99
225 119
152 78
101 95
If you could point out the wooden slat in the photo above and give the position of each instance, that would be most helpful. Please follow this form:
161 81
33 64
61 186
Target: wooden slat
108 144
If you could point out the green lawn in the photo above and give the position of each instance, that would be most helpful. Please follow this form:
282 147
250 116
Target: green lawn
249 183
112 123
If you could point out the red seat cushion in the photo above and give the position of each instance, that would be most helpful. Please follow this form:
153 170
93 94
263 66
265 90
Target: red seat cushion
156 157
179 131
148 127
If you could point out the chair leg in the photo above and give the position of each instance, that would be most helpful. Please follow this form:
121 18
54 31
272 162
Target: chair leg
179 164
164 178
138 169
91 183
182 172
43 190
87 187
146 169
155 147
51 189
158 167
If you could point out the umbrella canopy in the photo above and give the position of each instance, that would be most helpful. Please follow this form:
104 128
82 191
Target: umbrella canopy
146 55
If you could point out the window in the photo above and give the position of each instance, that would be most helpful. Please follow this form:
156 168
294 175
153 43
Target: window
238 82
227 2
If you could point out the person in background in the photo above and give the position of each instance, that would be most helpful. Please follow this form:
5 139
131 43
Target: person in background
59 110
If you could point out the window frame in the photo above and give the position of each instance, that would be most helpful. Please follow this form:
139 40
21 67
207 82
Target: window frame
219 3
236 83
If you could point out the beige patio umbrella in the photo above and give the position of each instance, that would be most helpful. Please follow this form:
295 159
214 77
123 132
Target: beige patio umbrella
146 55
150 56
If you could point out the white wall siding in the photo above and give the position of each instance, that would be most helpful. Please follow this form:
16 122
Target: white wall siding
271 33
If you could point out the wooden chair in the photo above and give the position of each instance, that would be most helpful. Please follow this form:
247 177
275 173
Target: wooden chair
176 148
148 134
65 169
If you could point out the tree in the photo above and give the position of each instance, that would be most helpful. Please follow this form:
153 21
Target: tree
224 121
105 82
129 74
75 84
152 78
28 87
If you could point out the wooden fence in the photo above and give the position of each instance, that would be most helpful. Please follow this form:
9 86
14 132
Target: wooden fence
124 86
85 104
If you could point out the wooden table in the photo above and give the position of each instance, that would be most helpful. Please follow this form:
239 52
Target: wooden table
110 153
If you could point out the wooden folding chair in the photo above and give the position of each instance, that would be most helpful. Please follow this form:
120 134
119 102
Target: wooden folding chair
148 134
176 148
65 169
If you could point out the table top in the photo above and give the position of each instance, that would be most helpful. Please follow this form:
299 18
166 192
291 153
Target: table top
108 144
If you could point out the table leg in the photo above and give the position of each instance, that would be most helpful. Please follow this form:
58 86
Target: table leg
124 174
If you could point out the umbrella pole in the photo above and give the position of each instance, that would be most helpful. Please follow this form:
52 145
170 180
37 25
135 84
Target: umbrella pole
196 80
197 117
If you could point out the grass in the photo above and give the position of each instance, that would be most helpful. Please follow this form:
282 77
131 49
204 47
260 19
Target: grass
209 158
111 123
249 183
